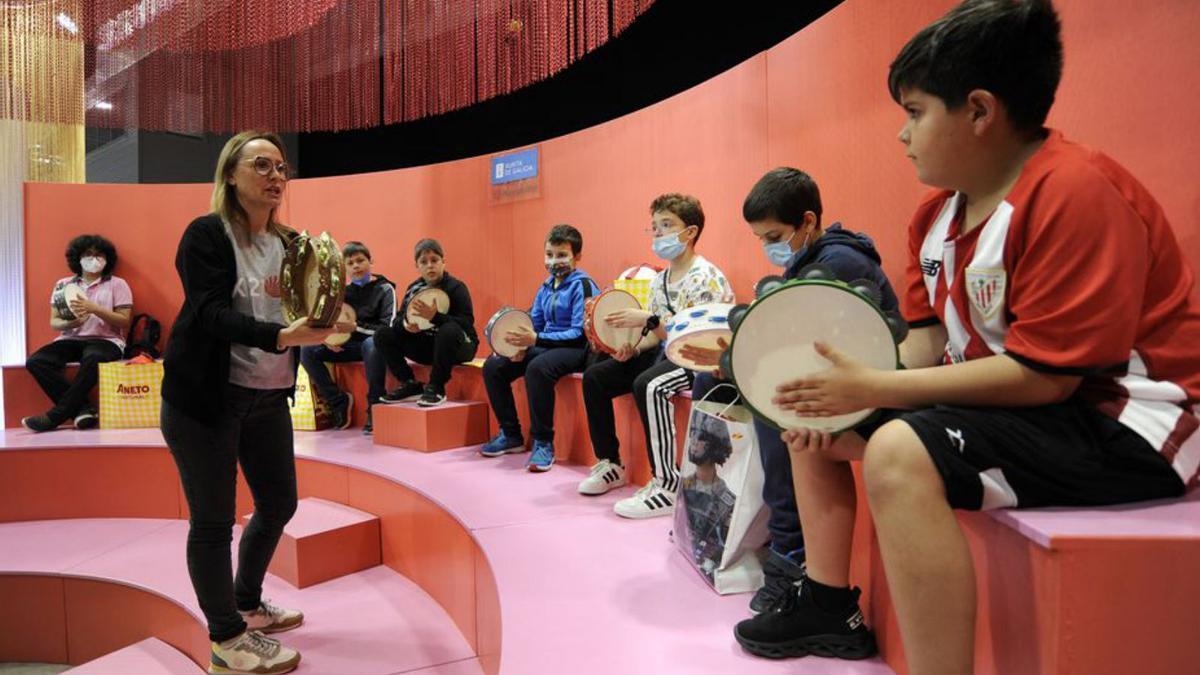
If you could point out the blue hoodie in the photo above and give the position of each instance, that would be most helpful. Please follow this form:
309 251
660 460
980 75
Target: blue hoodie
851 256
557 313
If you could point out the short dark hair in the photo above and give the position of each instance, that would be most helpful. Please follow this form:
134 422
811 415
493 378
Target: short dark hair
566 234
784 194
86 242
716 447
1011 48
427 245
686 207
355 248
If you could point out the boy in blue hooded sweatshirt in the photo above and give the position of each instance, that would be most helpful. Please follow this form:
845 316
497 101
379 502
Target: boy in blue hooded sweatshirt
784 210
555 348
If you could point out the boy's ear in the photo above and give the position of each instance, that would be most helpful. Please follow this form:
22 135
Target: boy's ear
983 109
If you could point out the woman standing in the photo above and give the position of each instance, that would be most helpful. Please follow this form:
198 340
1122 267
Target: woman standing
230 367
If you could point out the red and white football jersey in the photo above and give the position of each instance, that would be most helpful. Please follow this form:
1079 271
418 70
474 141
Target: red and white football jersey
1076 272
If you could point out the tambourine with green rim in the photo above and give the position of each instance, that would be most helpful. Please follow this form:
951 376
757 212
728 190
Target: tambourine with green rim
773 341
313 280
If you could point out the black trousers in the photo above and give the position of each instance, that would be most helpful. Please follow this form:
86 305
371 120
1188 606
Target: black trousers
46 366
255 431
442 349
652 380
542 369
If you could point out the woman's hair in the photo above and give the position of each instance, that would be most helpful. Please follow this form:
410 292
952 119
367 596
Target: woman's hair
86 242
224 196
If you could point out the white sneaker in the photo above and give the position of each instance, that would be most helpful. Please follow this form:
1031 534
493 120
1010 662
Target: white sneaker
252 653
604 477
649 502
271 619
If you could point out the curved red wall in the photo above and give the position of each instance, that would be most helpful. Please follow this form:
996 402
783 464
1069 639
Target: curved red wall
817 101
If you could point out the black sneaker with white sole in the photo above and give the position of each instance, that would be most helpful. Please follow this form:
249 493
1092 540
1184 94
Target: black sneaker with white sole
781 575
432 397
797 626
39 423
87 418
408 391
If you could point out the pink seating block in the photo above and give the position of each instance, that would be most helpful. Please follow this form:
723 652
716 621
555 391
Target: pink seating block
324 541
453 424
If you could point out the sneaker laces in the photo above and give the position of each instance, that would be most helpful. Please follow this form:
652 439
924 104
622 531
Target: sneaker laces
601 467
260 644
273 611
542 452
645 491
788 599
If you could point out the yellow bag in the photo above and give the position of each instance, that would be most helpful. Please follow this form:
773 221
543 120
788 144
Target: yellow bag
309 412
636 280
130 394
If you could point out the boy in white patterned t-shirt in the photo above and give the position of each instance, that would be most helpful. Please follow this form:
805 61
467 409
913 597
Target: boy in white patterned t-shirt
690 280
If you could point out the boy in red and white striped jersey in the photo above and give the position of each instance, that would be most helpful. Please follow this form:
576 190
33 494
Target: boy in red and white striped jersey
1052 359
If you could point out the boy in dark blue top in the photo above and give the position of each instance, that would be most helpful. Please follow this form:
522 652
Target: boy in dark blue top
557 347
784 212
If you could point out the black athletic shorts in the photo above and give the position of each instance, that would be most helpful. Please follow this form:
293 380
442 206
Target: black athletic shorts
1066 454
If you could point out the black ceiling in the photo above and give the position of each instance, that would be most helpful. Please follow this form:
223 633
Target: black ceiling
675 45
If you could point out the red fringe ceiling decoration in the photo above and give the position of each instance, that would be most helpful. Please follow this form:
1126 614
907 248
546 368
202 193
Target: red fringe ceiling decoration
303 65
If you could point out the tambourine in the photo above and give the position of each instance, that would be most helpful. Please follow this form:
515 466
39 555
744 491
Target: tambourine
507 319
700 326
349 316
62 297
603 337
313 280
773 342
430 296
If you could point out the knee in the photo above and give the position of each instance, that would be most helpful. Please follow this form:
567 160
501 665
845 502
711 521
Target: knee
896 463
384 338
540 371
449 334
277 511
641 385
492 366
36 360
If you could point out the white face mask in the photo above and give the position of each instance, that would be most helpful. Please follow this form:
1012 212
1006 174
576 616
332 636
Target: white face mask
559 266
92 264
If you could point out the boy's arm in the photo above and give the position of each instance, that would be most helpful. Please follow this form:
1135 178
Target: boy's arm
924 346
535 311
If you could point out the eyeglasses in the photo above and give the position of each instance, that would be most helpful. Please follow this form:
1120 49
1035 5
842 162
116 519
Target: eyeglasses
660 231
263 166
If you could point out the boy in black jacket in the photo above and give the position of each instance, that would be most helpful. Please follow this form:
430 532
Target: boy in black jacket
451 340
373 298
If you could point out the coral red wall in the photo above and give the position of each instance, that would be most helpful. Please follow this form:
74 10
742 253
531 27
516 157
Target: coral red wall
817 101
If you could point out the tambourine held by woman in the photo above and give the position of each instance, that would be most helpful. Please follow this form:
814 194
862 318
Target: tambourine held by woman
313 280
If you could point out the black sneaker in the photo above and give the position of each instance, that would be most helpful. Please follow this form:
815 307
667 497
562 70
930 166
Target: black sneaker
409 391
39 423
342 411
781 576
87 418
432 397
368 428
796 626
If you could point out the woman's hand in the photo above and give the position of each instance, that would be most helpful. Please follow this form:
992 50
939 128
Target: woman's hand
301 334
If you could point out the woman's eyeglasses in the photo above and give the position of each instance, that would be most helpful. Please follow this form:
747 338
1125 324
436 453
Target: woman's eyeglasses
263 166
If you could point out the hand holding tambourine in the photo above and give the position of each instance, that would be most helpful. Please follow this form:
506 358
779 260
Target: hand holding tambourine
627 318
520 337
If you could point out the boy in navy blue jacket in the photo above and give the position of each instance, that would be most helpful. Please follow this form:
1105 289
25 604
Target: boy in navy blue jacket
557 347
783 210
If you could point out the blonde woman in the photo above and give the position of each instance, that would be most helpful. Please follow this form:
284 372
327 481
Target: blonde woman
230 367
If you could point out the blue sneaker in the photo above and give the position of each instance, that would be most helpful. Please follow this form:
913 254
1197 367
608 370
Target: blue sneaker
502 445
542 458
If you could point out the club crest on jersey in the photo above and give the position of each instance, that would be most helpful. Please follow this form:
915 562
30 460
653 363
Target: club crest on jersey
985 288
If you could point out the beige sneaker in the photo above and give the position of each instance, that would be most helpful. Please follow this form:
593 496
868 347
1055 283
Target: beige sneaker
271 619
252 653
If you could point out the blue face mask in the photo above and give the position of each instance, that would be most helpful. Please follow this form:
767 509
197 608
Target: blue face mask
361 282
780 253
668 246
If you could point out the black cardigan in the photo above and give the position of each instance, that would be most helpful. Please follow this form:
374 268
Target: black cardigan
196 365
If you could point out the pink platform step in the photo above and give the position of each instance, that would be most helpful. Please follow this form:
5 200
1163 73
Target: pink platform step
453 424
325 540
148 657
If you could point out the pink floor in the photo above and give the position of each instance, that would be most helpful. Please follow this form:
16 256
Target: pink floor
581 591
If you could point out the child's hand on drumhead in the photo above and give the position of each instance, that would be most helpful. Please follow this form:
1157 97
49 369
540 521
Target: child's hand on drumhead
705 356
423 310
806 440
627 318
625 353
520 338
518 357
844 387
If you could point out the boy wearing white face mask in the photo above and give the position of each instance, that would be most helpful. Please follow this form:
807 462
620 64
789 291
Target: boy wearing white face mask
784 211
555 348
690 280
96 335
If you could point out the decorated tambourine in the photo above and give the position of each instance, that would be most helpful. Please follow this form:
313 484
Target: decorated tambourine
62 297
701 326
603 337
773 341
504 321
313 280
429 296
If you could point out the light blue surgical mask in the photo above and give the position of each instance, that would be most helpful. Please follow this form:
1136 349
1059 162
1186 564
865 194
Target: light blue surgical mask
668 246
361 281
780 253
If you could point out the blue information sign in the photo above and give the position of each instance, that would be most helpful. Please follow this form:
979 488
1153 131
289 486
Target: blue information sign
515 166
